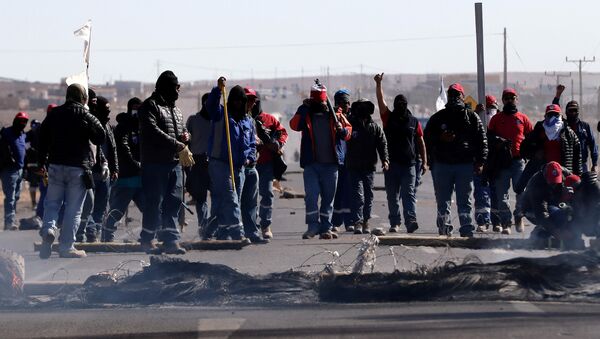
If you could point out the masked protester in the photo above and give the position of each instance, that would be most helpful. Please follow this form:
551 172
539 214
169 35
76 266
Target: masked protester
366 143
128 186
32 172
551 140
272 136
457 145
163 149
506 132
226 222
547 203
198 180
587 139
321 153
12 162
341 203
405 144
104 172
65 138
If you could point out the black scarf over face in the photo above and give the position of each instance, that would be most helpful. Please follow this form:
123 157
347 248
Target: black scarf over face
257 109
166 87
400 111
237 94
509 108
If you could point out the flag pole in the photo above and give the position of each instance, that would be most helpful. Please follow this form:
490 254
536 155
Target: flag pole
226 116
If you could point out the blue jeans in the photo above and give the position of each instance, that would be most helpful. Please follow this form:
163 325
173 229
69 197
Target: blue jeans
249 203
265 189
446 179
120 198
483 201
11 187
361 195
418 170
502 184
163 195
319 180
341 203
86 211
559 218
400 184
101 196
198 184
225 202
65 187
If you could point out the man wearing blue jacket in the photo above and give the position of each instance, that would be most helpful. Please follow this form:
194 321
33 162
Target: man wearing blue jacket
226 218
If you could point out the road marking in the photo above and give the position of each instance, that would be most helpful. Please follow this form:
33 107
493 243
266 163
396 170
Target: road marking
222 327
526 307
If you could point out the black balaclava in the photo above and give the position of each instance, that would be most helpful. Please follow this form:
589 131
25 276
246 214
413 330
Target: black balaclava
400 106
203 111
257 109
455 100
102 110
76 93
166 87
92 100
362 109
19 125
135 101
572 117
237 93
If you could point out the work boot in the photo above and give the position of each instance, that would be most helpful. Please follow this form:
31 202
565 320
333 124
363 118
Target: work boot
395 229
173 247
266 233
259 241
72 253
411 227
335 229
47 240
150 248
497 228
506 229
365 228
358 228
519 224
328 235
482 228
308 234
350 229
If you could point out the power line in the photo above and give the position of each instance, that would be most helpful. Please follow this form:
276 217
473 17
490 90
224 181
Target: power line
222 47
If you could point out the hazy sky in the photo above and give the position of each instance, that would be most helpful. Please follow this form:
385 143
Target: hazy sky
262 38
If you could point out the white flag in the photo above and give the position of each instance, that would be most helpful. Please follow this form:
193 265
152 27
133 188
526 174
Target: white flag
442 99
85 33
80 78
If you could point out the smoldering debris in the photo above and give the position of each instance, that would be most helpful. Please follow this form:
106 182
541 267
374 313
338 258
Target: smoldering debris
167 280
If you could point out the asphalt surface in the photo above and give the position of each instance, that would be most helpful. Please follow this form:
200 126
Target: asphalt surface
398 320
288 251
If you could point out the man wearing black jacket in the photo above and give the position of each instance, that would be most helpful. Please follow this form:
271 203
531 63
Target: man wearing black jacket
366 143
128 186
457 146
65 137
163 139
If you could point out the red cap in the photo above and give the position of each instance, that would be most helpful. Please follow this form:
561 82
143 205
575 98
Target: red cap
22 115
509 91
318 92
552 108
457 87
553 173
572 180
490 100
250 92
50 107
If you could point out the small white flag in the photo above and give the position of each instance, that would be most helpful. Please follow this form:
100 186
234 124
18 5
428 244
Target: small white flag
85 33
442 99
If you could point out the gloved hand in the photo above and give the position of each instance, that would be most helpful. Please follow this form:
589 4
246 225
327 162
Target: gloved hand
186 158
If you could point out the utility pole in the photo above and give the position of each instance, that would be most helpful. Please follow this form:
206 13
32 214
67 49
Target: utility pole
505 82
580 62
558 76
480 58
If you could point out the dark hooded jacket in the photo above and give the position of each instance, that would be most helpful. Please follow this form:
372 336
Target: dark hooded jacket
401 132
469 144
538 196
66 132
128 145
367 139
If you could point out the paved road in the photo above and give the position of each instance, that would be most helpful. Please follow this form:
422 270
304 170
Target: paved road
287 250
398 320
